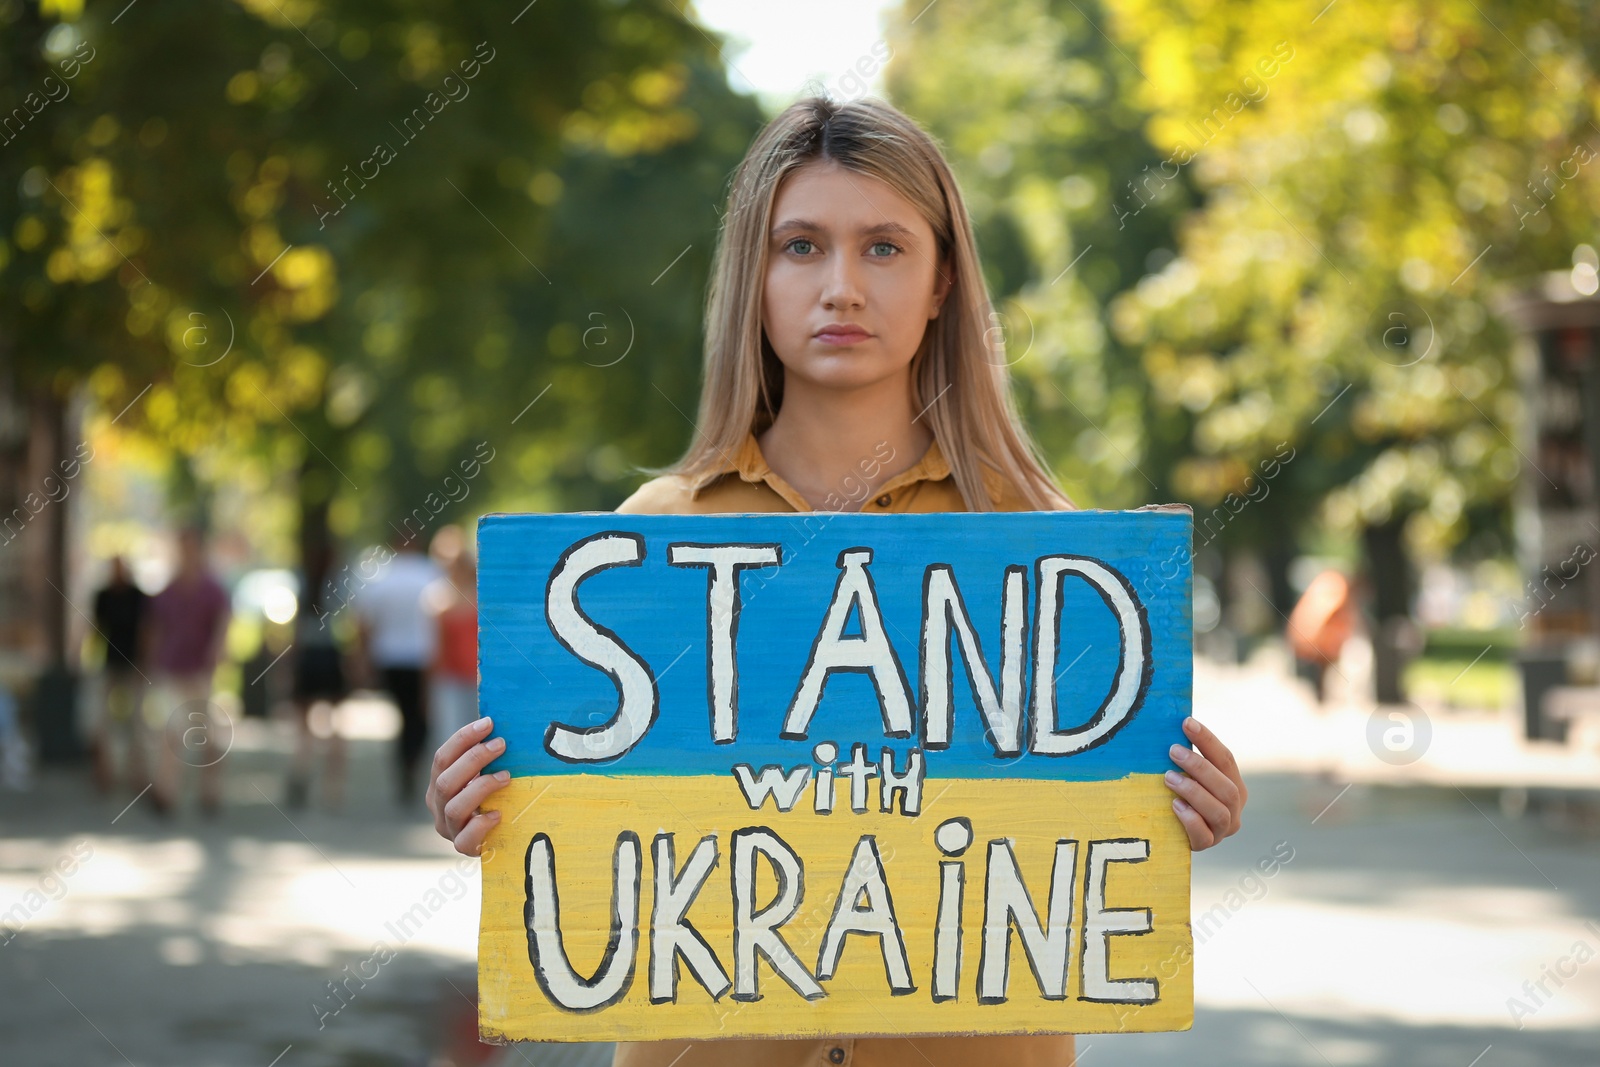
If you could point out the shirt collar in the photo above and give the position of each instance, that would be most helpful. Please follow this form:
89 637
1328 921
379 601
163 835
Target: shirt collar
751 466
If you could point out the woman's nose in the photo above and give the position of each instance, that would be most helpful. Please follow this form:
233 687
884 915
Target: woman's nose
842 287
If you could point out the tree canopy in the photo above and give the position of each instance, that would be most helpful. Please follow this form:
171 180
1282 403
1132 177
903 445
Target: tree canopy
1293 222
348 242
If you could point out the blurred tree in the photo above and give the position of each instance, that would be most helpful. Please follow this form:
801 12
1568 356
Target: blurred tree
352 241
1349 183
1370 171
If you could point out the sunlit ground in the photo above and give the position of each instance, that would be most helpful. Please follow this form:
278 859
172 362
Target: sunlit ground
1405 923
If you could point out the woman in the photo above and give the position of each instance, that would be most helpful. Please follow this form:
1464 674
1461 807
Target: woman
847 365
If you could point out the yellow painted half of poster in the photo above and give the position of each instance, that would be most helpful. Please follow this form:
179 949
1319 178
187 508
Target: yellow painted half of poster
1102 866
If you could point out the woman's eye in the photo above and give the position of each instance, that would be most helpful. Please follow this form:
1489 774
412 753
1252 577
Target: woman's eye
794 245
884 244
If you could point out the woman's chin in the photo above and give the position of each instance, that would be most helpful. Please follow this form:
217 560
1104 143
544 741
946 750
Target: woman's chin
846 368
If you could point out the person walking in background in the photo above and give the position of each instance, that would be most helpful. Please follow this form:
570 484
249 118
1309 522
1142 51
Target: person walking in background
319 686
397 640
15 769
452 601
119 614
1322 621
188 623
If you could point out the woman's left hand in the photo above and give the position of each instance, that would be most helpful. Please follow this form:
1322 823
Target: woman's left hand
1211 792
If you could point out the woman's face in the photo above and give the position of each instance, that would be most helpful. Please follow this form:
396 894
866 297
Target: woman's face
851 278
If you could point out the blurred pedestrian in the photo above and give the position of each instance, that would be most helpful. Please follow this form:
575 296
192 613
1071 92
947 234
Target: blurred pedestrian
452 600
15 768
397 640
1321 622
188 623
320 685
119 616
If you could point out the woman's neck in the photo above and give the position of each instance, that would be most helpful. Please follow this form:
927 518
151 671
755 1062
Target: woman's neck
837 446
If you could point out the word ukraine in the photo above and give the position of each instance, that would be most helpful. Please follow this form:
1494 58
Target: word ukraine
1017 867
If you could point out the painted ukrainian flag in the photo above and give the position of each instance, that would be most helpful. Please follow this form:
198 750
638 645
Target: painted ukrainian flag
784 775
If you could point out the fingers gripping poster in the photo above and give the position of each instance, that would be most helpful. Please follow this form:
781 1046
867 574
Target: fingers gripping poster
804 774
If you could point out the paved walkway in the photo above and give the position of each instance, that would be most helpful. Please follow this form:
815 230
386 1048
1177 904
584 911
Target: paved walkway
1408 920
1273 725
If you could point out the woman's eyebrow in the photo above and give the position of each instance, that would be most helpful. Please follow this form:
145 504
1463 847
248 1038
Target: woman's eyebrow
816 227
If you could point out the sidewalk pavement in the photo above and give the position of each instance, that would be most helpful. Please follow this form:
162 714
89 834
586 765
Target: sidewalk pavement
1274 725
1409 924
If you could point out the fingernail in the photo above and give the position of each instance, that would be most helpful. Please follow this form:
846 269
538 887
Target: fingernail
497 744
494 816
1179 753
502 776
1173 777
1191 725
483 724
1179 806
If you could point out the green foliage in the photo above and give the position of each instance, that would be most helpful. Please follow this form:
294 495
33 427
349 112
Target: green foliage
1037 110
424 227
1345 211
1325 173
410 220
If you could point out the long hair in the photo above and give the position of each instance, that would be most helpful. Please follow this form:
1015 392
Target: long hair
959 374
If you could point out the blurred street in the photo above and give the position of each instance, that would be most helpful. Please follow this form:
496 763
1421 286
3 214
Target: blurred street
1406 921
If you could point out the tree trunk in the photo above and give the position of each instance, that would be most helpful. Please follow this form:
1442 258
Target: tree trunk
15 617
1277 556
1391 583
47 455
47 489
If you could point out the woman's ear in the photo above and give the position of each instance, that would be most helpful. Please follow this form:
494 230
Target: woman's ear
941 286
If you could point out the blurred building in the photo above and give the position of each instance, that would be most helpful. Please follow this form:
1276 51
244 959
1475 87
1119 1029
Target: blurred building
1557 510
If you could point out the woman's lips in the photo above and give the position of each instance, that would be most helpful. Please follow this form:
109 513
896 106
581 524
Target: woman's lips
843 335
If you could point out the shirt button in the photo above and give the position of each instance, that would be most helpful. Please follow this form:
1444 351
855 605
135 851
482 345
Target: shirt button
883 501
836 1055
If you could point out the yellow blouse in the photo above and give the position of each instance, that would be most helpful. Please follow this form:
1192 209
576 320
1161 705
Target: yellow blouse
926 486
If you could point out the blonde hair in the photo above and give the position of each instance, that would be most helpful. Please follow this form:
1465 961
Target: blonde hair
960 378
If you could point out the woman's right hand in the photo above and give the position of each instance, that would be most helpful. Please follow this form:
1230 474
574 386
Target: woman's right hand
456 788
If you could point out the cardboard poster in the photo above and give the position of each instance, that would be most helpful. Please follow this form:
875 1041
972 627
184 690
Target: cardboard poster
817 773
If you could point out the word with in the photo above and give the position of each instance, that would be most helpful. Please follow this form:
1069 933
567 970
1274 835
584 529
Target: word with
864 905
1545 592
383 153
1559 973
55 90
432 902
870 652
52 886
413 524
1232 504
57 487
1255 90
1545 190
785 788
